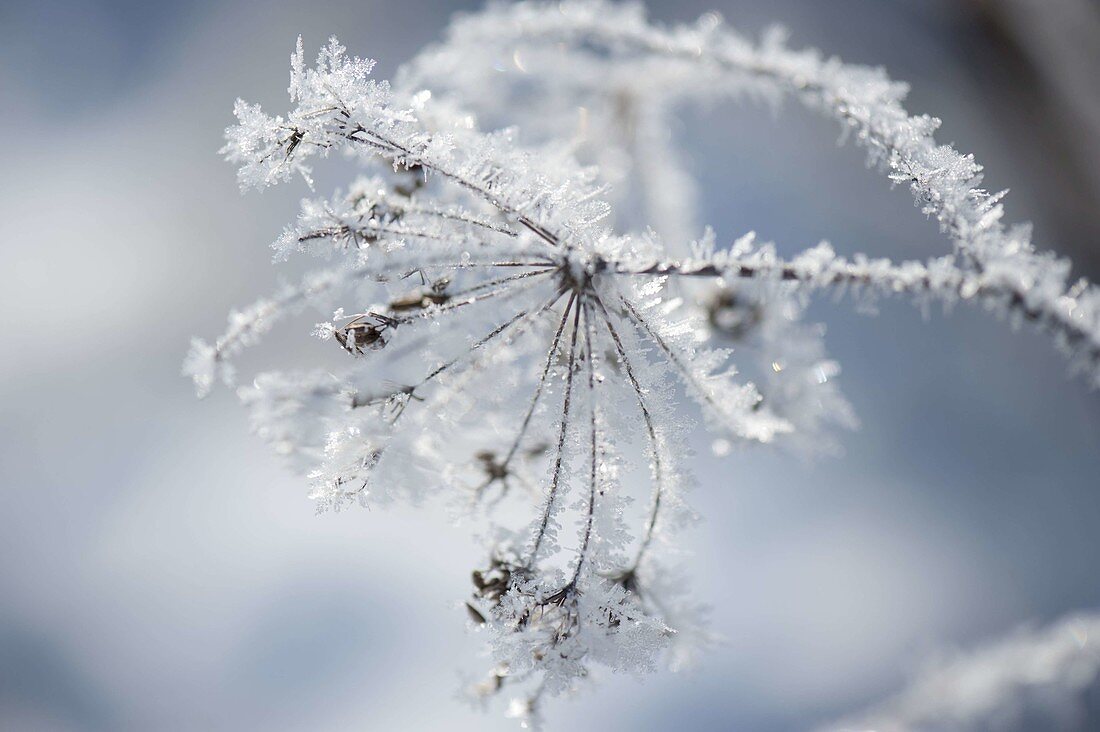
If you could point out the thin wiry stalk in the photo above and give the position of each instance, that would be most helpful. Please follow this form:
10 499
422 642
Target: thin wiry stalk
651 432
389 148
669 352
503 286
489 284
247 331
463 219
583 554
555 478
247 328
913 278
368 233
470 351
542 381
503 467
487 265
473 352
480 342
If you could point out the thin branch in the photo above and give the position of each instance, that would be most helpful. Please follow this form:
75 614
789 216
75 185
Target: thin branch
486 265
367 233
390 147
555 478
647 418
499 281
670 354
503 285
480 343
462 219
583 554
542 381
475 351
1059 313
489 337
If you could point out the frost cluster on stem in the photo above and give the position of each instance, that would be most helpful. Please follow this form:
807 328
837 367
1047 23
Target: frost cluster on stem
520 305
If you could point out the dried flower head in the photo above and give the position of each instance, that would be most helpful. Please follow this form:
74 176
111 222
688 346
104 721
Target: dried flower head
512 350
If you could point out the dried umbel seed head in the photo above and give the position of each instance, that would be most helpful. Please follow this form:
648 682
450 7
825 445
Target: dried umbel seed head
576 332
732 314
370 331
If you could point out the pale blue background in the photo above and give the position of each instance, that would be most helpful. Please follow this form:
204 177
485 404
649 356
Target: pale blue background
160 571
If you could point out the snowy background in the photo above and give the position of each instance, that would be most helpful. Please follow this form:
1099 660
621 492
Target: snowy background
159 570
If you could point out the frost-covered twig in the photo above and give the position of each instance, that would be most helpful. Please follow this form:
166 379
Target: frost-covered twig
1070 314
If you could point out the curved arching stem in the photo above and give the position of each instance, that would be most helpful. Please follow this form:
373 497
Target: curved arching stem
555 475
1059 313
651 433
582 555
541 385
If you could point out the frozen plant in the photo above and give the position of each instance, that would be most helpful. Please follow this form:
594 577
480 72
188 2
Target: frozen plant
502 338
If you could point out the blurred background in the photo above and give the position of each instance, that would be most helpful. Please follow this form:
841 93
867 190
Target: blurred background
160 570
